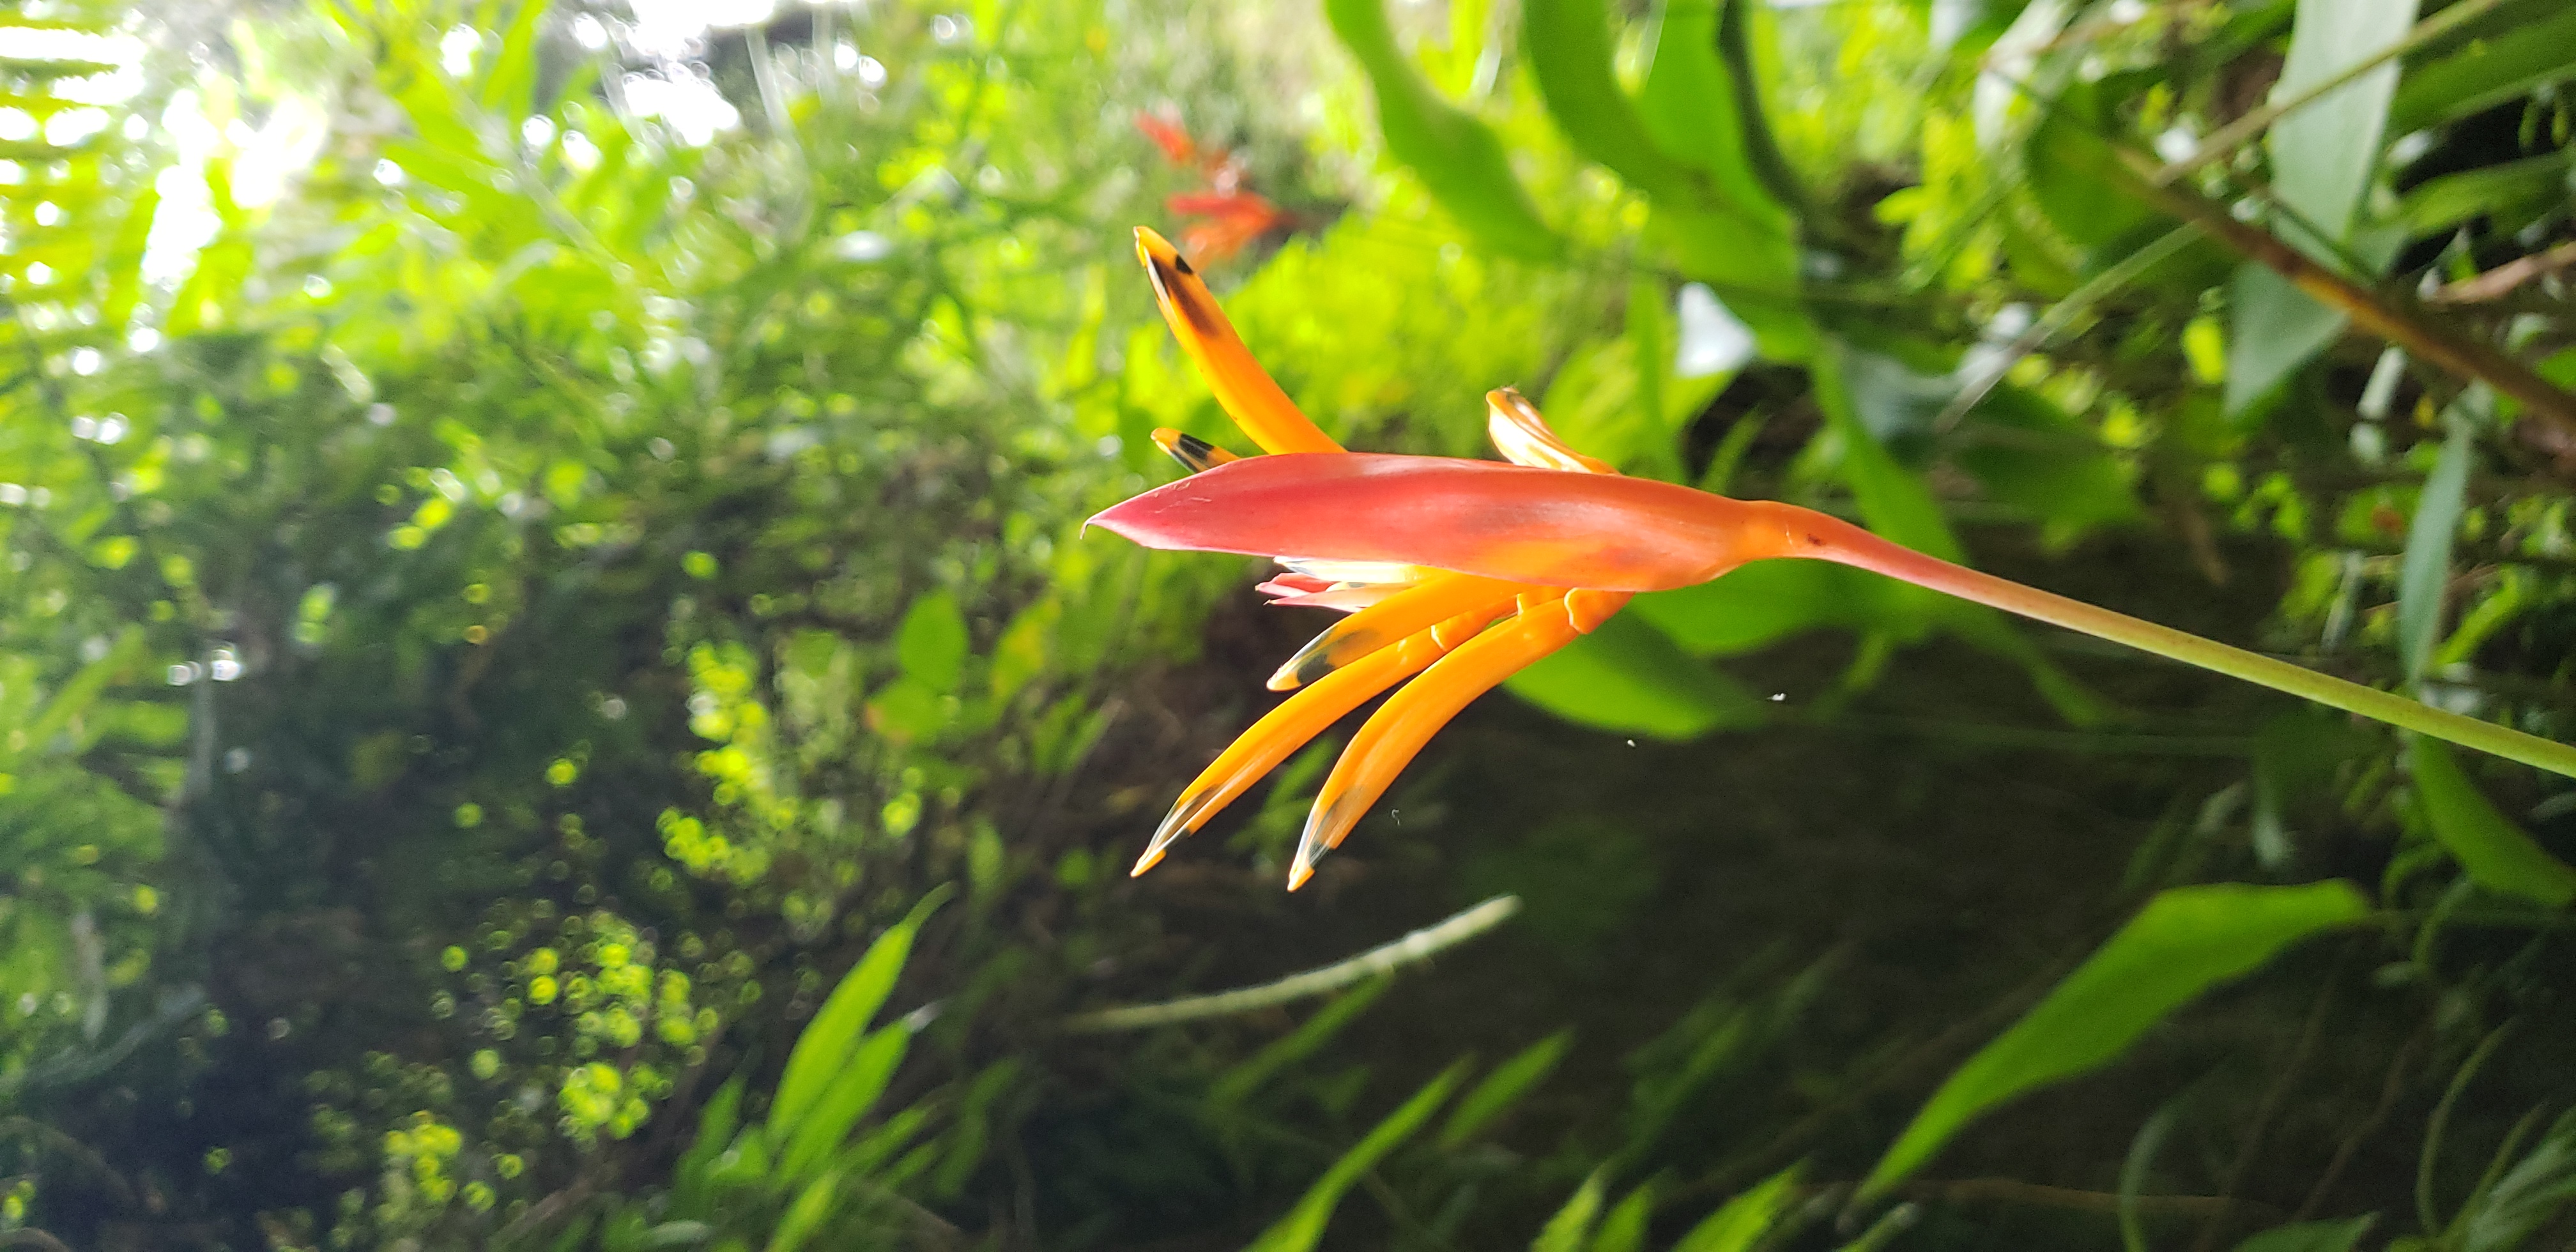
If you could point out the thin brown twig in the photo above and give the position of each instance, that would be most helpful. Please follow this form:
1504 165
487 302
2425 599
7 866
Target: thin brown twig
2368 309
2496 283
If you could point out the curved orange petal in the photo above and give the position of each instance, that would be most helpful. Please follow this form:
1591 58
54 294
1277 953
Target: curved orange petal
1281 732
1242 388
1523 436
1418 607
1543 527
1397 731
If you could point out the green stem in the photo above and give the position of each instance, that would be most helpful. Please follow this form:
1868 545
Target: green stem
1850 545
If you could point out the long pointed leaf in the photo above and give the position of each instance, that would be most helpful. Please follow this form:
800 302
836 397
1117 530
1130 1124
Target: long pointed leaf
2183 943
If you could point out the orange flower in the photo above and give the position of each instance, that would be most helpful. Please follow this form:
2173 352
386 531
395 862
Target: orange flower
1406 619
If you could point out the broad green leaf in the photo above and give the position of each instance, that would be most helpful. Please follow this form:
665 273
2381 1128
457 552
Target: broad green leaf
84 689
1457 157
852 1091
2273 329
2183 943
931 643
510 90
1688 105
2487 73
1755 271
1566 1228
1303 1228
1569 46
2425 572
2340 1236
1503 1088
2076 178
2323 154
717 1121
1739 1224
1627 677
827 1041
2498 855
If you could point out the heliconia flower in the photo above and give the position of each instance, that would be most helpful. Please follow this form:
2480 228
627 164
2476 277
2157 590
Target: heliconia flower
1464 572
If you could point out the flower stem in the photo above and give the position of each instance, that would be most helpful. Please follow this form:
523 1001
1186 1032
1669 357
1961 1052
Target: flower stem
1850 545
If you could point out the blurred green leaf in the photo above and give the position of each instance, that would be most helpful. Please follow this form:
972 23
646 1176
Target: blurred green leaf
2536 1189
851 1092
931 643
1688 106
2027 452
2186 941
1243 1079
1766 601
1457 157
1567 1228
2514 193
2497 854
1569 45
2339 1236
1303 1228
2424 576
2487 72
1503 1088
1739 1224
2323 154
1624 1229
1628 678
2273 329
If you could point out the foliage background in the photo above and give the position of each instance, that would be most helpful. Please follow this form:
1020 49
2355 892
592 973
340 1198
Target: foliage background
556 695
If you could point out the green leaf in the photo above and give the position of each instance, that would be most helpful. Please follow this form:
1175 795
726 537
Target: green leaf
931 643
2310 1236
1758 604
1629 678
853 1090
2502 1217
1739 1224
2273 329
1303 1227
827 1041
2425 572
1688 105
1624 1230
2514 194
2323 154
1457 157
2184 942
1566 1228
2487 73
717 1122
1242 1080
812 1205
2029 453
2076 178
1568 45
1893 500
511 88
1503 1088
2498 855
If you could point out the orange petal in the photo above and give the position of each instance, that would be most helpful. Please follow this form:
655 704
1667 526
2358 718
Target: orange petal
1281 732
1245 392
1543 527
1588 608
1391 736
1419 607
1523 436
1194 454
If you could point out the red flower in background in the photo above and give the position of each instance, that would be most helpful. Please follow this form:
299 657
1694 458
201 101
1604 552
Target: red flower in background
1231 217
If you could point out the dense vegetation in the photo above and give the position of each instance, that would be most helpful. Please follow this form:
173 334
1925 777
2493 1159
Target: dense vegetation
557 697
